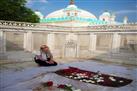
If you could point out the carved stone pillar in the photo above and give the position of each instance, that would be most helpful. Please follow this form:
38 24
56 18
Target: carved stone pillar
116 43
51 41
28 41
25 42
93 39
2 42
78 46
63 49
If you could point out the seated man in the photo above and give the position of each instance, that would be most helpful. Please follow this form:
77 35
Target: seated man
45 57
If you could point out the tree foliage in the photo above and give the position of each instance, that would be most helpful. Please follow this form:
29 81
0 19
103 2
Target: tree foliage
15 10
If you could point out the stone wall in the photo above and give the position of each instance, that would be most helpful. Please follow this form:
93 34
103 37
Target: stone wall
128 43
14 41
104 42
84 44
114 46
60 39
38 40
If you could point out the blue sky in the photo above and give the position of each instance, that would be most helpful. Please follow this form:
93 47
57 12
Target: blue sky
120 7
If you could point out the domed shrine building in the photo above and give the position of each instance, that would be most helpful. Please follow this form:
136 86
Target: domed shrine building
72 16
72 32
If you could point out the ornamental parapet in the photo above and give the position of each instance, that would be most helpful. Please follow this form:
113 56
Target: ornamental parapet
37 26
18 24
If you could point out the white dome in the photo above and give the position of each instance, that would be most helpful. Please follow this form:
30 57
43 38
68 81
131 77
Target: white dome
86 14
106 14
81 13
72 6
55 14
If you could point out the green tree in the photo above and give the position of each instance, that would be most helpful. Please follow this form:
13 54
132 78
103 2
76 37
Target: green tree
15 10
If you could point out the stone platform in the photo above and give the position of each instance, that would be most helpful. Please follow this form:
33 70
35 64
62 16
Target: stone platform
26 76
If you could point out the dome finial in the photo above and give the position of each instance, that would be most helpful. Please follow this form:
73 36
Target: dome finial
71 2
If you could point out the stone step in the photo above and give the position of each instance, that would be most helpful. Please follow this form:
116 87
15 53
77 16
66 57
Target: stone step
3 56
20 55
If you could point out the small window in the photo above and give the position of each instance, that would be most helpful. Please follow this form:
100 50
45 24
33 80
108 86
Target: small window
76 14
68 14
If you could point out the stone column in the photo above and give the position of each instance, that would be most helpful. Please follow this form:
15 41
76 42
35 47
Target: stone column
25 42
2 42
63 49
28 41
51 41
93 39
78 46
116 43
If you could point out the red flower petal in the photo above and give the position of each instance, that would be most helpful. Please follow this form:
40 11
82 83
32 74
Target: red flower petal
49 83
61 86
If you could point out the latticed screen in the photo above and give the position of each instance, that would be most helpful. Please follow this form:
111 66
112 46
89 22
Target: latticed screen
128 43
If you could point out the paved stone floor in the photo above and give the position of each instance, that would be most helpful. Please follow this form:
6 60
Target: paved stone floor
24 76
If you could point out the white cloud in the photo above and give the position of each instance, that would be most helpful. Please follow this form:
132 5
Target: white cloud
30 3
42 1
125 11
